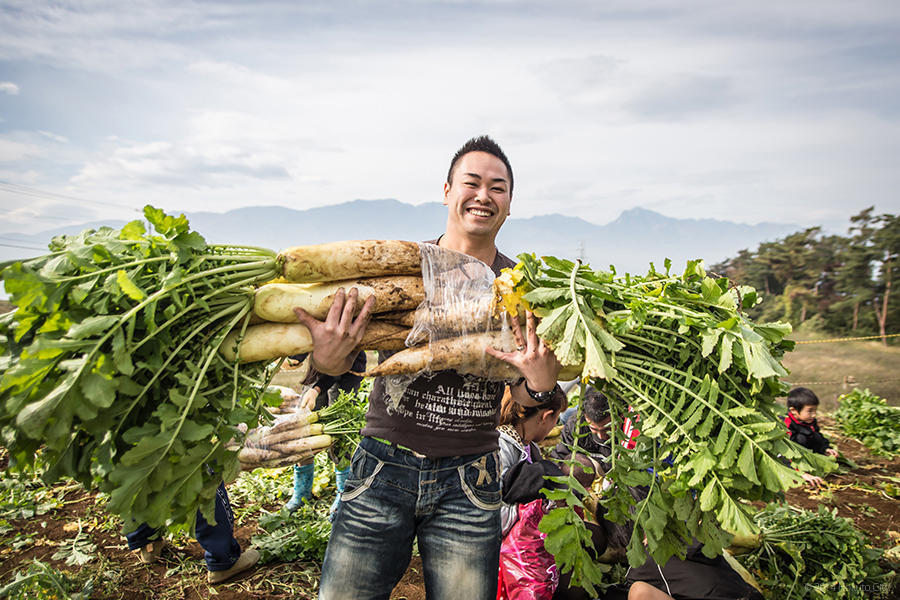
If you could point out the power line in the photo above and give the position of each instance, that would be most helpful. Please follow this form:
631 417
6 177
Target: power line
46 217
25 247
22 190
848 339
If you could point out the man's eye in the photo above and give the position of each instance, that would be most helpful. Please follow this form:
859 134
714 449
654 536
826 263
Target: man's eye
471 184
498 189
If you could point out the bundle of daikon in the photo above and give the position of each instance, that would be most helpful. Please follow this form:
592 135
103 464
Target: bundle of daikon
298 434
294 438
112 364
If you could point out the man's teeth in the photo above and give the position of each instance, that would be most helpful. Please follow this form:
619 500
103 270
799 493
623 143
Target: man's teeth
480 212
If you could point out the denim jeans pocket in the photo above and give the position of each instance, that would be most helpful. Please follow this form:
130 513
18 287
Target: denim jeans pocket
480 481
363 469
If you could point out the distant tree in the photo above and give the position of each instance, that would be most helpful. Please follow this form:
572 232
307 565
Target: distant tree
835 277
886 242
854 275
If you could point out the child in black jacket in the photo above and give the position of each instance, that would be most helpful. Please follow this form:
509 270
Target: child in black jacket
801 421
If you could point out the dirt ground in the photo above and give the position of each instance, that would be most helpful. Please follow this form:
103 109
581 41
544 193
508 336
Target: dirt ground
860 494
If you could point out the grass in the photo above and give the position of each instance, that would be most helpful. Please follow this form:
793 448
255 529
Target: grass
834 368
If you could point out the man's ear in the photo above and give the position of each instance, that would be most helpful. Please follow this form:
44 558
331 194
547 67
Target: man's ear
446 192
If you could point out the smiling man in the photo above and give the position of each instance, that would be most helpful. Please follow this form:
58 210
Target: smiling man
427 466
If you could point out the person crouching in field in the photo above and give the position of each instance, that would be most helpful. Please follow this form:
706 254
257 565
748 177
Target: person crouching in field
526 568
801 421
804 429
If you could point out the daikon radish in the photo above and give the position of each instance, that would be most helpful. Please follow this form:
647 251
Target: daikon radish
464 354
274 340
300 445
275 302
257 455
337 261
272 441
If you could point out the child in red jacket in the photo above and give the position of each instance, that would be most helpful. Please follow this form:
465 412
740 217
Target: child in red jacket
803 428
801 421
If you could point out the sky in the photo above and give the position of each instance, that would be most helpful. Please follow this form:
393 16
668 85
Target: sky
743 111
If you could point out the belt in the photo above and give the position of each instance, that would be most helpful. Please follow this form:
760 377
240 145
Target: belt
398 446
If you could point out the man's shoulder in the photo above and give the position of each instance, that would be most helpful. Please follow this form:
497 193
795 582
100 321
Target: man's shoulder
502 261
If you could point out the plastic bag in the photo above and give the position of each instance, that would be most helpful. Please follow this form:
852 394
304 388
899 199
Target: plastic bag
458 311
527 570
458 296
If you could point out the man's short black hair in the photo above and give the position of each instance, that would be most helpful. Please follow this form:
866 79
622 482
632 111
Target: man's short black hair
596 405
482 143
799 397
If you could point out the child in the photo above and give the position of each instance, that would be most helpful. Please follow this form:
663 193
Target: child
801 421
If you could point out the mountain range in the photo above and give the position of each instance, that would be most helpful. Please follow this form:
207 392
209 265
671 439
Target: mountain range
637 237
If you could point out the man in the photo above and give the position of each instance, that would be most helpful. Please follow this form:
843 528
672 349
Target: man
417 474
591 435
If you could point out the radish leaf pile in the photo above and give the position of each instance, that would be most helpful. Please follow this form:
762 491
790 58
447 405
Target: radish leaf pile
111 370
678 352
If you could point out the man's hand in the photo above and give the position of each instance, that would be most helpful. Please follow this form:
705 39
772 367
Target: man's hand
831 452
532 358
335 338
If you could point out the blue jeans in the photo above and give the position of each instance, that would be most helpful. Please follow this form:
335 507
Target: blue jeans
393 496
221 549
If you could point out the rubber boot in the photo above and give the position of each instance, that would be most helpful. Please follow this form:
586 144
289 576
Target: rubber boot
303 481
340 480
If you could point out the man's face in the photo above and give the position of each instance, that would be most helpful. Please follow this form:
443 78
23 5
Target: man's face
477 196
600 429
806 414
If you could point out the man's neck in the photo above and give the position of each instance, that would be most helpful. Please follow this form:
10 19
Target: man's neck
482 249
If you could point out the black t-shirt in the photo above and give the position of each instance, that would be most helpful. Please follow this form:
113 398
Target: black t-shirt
444 413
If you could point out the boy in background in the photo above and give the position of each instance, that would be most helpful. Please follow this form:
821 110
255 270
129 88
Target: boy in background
801 421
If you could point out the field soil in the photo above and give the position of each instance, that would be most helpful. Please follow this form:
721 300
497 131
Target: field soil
866 494
860 494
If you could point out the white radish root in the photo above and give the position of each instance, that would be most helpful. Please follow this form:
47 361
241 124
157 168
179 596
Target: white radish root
275 302
463 354
337 261
273 340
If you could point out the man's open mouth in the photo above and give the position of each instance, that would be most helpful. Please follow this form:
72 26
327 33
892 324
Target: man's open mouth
480 212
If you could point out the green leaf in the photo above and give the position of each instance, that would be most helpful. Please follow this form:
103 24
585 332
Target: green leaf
734 518
710 290
546 295
701 463
133 231
710 496
128 287
99 390
552 326
746 463
193 432
91 326
725 352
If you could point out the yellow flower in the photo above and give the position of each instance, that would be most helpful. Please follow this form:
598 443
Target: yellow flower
506 293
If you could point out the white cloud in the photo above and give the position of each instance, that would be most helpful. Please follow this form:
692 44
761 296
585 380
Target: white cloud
14 150
9 87
744 111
